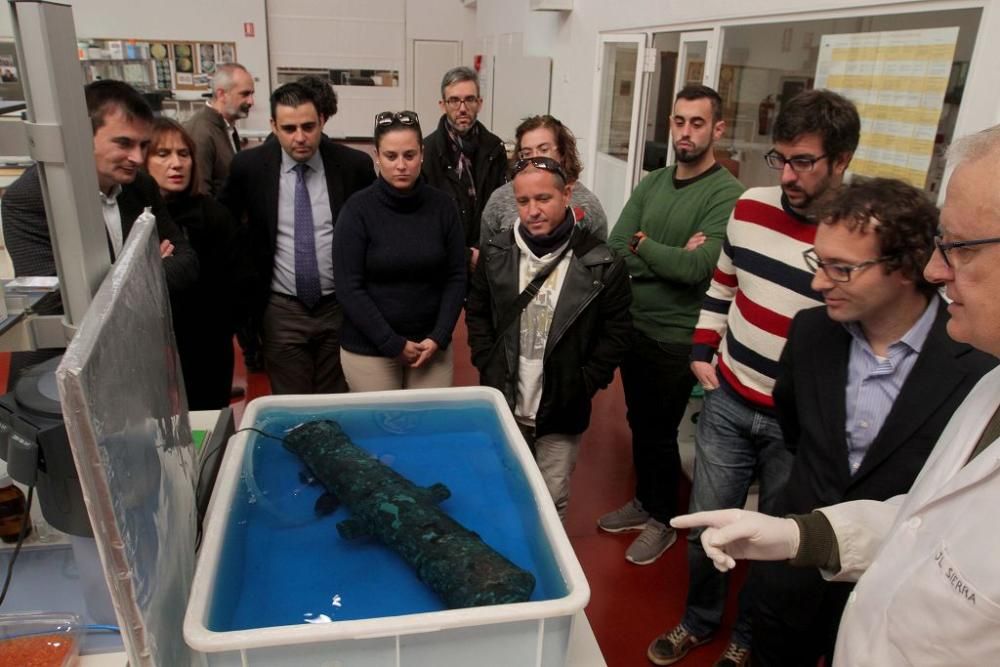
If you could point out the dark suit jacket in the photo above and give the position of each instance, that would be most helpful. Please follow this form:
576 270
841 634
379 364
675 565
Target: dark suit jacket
810 399
26 230
251 195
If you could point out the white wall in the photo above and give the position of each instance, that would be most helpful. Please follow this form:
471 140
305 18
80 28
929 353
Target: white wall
443 19
447 20
509 26
222 20
343 35
379 34
570 39
218 21
385 29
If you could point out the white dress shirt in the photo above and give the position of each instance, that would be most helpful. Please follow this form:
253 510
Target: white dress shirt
283 279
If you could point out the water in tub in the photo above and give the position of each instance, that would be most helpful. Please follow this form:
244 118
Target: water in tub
284 565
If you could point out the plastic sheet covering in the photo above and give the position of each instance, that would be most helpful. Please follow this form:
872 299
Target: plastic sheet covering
126 416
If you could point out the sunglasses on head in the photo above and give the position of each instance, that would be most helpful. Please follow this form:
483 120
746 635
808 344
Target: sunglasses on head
387 118
546 163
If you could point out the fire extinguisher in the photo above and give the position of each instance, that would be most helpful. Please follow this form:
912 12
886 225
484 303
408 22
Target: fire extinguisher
764 113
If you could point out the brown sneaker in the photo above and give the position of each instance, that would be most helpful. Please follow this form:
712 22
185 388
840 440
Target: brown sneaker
672 646
734 656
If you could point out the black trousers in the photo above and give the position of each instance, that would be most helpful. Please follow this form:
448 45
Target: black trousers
657 380
302 346
796 614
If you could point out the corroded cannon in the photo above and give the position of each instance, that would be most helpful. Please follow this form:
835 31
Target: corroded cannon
454 561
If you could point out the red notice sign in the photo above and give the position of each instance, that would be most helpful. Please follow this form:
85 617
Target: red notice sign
248 29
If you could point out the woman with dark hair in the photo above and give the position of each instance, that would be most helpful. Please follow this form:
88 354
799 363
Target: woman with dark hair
204 315
545 136
399 267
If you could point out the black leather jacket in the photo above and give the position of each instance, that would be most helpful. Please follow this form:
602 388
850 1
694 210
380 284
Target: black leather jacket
588 337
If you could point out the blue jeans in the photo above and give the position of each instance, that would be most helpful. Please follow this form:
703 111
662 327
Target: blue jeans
734 442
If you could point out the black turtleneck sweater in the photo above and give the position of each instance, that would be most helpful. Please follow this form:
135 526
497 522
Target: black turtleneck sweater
399 268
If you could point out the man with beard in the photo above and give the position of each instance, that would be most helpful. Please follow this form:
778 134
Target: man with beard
212 127
862 417
462 157
762 272
925 564
289 192
670 234
216 142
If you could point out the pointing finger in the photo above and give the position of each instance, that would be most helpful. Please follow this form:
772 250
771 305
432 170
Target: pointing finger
715 518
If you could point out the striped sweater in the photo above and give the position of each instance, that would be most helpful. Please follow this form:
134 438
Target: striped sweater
762 271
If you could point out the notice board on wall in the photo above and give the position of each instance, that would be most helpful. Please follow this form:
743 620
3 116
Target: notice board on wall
154 64
898 81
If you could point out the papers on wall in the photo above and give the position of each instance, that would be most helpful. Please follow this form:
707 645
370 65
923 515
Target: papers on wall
897 80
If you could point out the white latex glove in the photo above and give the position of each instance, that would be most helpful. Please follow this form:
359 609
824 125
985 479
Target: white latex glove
732 534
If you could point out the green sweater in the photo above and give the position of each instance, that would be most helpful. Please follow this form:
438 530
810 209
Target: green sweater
668 282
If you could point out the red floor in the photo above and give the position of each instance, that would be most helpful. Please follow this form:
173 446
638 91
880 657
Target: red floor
629 604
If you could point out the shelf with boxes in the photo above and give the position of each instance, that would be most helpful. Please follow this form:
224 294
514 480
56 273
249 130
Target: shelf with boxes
182 69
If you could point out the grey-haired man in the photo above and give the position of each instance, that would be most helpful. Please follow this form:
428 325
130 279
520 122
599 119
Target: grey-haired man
461 156
213 126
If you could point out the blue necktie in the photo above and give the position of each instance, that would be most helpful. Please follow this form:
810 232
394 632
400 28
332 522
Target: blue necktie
307 286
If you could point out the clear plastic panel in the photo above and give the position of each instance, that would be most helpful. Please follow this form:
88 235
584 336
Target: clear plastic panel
126 416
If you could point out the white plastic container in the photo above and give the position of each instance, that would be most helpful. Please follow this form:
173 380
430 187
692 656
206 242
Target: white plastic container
534 633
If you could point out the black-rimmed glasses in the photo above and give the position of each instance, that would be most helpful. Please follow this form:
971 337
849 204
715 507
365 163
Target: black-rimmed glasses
386 118
945 248
455 102
800 164
838 272
546 163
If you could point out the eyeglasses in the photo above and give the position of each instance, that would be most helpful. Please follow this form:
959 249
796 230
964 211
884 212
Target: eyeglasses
799 164
455 102
838 272
387 118
946 248
545 163
542 150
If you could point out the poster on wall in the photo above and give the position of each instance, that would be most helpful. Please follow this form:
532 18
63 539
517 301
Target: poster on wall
898 81
10 75
184 58
8 69
227 53
206 56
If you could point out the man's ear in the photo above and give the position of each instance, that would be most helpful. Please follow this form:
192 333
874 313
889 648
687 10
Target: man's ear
719 130
841 163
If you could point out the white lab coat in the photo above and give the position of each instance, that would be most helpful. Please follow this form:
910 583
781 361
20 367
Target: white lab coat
929 561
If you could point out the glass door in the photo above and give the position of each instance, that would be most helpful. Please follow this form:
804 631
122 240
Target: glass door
696 64
615 125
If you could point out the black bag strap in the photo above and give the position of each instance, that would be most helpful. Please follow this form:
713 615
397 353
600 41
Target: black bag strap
529 293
